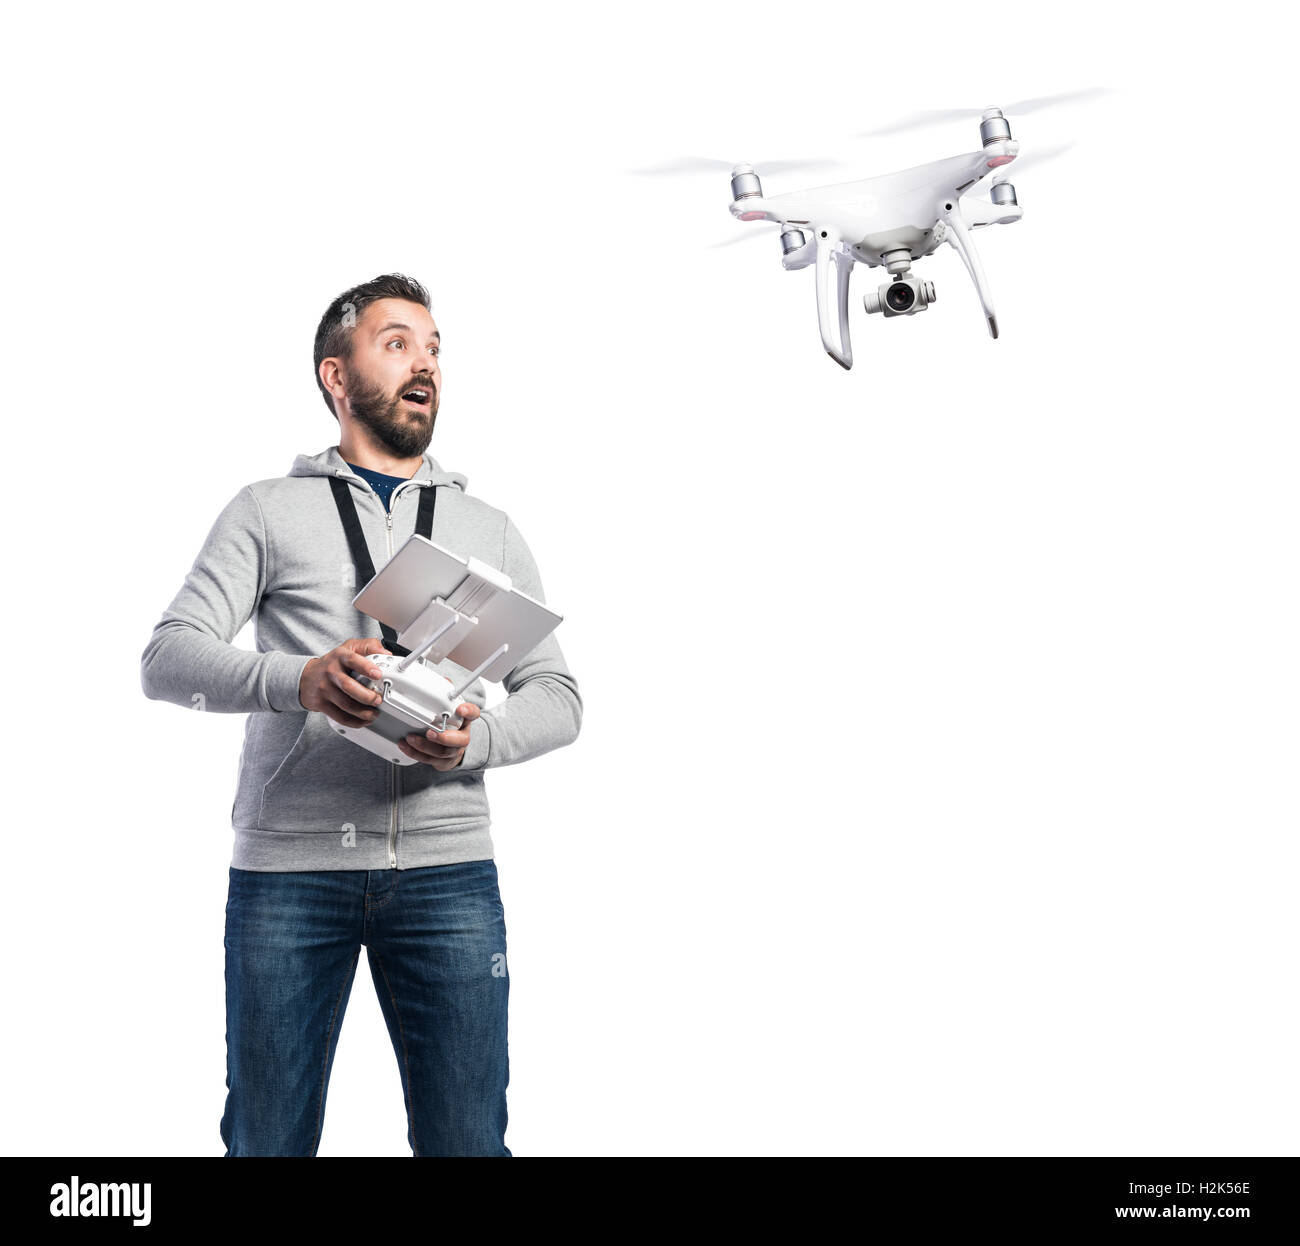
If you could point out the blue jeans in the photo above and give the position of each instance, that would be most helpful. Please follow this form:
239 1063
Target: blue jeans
435 938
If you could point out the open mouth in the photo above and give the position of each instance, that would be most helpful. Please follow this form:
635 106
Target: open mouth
418 397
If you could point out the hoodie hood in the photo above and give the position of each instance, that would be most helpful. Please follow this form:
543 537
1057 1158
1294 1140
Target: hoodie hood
331 463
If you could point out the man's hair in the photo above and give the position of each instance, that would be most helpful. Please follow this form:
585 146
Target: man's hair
334 333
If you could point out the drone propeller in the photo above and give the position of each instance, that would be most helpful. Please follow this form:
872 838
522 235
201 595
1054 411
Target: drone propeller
706 164
1030 160
749 233
935 116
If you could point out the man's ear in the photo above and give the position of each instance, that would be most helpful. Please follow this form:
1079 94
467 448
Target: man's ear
331 376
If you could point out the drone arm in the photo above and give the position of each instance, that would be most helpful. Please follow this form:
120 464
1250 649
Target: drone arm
977 212
957 234
828 251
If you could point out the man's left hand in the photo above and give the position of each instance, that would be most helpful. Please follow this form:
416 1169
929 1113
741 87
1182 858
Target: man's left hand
441 750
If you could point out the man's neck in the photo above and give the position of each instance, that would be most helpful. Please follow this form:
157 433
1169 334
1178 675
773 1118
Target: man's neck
364 453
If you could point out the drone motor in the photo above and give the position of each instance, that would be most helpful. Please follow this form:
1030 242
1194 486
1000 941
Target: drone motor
1003 195
995 128
745 185
797 249
792 240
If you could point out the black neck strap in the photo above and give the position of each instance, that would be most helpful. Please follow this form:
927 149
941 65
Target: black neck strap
347 509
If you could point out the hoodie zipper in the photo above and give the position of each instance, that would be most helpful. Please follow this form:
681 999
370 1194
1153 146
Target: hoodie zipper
394 768
394 779
392 816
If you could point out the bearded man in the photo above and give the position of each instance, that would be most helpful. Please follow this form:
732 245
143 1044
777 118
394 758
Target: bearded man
334 847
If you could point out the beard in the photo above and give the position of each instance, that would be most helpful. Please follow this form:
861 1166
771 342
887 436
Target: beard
401 429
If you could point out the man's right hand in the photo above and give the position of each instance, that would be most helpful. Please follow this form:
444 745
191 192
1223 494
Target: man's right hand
327 686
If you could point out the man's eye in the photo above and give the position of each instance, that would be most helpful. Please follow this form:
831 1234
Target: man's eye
435 350
398 340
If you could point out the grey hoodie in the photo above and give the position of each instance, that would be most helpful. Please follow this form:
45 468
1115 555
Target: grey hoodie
307 798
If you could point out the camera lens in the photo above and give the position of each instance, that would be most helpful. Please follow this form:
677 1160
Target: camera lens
901 296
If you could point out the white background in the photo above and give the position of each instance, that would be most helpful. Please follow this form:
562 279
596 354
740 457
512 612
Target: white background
937 790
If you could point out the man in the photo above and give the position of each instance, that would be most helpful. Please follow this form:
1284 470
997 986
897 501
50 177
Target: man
334 846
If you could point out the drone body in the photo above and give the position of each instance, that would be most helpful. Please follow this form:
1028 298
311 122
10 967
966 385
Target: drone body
888 222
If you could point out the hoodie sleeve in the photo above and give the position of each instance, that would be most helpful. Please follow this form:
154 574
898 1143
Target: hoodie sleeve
189 659
542 710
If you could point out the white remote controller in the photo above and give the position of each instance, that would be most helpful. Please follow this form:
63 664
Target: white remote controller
415 699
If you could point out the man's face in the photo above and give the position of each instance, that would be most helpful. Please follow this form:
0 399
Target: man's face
395 347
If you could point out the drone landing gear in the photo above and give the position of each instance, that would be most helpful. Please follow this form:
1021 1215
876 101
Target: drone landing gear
830 249
955 232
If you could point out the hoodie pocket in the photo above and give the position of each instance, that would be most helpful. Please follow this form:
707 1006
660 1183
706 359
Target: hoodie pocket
323 782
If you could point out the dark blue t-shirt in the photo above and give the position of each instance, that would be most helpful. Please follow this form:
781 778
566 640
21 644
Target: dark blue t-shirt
379 482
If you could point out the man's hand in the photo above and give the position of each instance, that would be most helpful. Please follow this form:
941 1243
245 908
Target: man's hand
326 684
441 750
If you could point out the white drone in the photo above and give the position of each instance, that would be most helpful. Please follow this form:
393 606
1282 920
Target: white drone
888 221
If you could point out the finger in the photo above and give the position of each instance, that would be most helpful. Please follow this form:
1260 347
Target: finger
424 749
438 763
435 744
350 704
357 692
352 661
454 740
458 736
337 715
341 703
368 644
